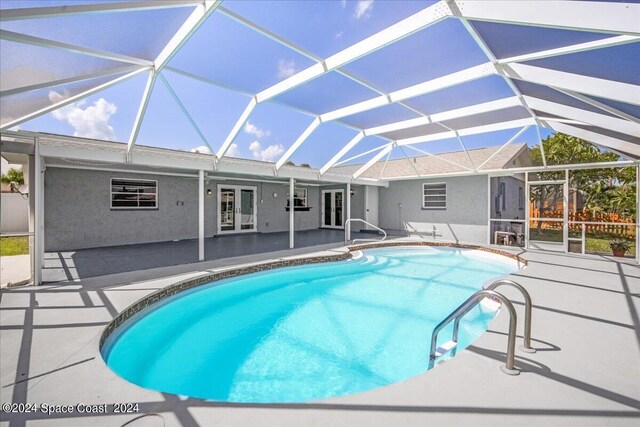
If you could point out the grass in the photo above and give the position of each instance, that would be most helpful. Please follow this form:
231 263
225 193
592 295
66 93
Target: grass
14 246
596 243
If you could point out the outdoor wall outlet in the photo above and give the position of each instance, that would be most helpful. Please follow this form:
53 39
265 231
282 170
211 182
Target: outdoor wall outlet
180 203
267 224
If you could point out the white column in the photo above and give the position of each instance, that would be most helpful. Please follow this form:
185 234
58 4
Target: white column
201 215
526 210
348 202
29 173
292 183
38 193
565 228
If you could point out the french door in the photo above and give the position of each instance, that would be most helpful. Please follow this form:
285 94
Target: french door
237 209
332 208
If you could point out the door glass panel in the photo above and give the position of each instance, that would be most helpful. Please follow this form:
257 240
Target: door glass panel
338 209
546 201
246 209
327 209
227 209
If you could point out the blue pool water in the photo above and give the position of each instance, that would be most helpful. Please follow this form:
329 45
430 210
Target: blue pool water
303 333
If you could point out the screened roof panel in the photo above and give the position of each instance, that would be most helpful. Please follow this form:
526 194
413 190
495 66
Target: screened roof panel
422 56
429 129
363 150
142 34
618 63
15 106
611 133
228 52
202 99
321 146
327 93
549 94
22 65
325 27
504 115
508 40
466 94
269 132
20 4
633 110
107 115
386 114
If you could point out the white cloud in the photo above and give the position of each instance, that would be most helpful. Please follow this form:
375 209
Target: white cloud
286 68
269 154
343 3
339 34
90 122
233 151
203 149
363 9
252 129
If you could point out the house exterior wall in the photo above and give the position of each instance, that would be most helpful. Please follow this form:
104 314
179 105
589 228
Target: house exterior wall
78 209
513 209
463 220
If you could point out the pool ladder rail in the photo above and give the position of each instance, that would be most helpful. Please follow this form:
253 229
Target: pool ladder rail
347 231
451 345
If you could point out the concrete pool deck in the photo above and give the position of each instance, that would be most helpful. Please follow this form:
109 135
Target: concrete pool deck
586 328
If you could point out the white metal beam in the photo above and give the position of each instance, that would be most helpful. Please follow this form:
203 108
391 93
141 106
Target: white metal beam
468 131
307 132
439 83
184 110
142 108
597 138
391 34
513 138
91 8
580 47
201 215
344 150
73 79
600 105
357 156
457 113
37 41
600 120
385 151
292 223
193 22
236 128
620 18
442 159
602 88
71 99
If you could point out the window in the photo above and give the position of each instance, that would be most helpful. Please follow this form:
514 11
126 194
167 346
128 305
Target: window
134 193
299 198
520 198
434 196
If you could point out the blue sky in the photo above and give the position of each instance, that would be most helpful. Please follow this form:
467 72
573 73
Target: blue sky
233 55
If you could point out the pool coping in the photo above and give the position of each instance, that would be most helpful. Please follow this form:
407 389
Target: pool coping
343 254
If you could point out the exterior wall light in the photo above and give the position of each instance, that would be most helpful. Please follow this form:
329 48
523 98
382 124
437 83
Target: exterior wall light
209 192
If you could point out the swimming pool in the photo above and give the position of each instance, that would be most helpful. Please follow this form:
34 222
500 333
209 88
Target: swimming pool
309 332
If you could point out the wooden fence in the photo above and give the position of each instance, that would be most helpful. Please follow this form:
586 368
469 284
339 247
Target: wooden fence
610 224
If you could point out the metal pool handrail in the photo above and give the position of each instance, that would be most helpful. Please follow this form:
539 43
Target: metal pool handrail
346 240
463 309
526 345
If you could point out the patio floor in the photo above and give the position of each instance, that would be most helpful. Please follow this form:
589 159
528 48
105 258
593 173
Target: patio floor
586 372
83 263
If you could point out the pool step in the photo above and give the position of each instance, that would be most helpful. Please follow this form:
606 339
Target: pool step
446 348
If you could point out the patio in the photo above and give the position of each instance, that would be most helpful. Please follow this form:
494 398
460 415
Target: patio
84 263
585 372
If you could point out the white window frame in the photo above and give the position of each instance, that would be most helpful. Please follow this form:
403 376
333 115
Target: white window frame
424 196
306 198
126 208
